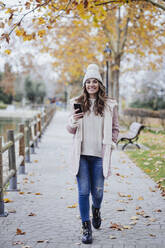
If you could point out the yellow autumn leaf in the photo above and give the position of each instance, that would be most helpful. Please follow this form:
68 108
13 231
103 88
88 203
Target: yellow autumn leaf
7 200
9 10
73 206
41 33
7 51
35 161
21 192
147 170
41 20
19 32
140 198
38 194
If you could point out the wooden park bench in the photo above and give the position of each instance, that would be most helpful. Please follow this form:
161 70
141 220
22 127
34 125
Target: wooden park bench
132 135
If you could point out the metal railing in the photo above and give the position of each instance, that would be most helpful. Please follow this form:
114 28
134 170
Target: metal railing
29 135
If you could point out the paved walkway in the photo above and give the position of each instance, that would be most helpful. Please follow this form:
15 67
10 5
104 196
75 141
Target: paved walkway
54 218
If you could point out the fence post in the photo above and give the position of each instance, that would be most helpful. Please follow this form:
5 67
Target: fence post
27 155
12 161
32 149
2 207
39 127
35 131
22 149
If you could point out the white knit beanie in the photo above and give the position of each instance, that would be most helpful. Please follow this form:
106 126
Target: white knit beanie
92 72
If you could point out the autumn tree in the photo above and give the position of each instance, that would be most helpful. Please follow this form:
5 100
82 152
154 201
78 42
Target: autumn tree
126 30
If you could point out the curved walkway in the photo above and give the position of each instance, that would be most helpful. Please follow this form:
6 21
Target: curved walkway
46 209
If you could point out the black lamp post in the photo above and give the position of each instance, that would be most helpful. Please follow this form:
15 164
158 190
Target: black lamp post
107 52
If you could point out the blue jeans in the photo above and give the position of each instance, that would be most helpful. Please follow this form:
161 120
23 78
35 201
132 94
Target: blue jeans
90 180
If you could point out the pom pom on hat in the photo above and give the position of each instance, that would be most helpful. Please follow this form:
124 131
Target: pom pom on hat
92 72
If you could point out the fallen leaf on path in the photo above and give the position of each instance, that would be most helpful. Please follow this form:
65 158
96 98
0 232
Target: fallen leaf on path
134 218
124 201
73 206
127 227
112 237
35 161
120 209
19 232
158 210
147 224
38 194
21 193
123 195
31 214
116 226
152 235
138 207
40 241
152 219
7 200
142 213
140 198
18 243
12 211
152 190
26 178
133 222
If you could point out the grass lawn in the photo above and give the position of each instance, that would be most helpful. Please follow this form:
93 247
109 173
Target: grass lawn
152 161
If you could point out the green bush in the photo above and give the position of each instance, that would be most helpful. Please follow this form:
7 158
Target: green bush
35 92
154 103
2 105
5 98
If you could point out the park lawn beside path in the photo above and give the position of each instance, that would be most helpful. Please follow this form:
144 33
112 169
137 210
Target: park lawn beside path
151 161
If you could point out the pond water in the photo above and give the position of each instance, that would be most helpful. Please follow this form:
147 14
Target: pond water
9 123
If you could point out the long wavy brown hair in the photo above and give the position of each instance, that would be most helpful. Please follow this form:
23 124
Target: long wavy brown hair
99 103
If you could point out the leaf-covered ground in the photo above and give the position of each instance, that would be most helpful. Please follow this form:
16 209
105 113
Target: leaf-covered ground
151 161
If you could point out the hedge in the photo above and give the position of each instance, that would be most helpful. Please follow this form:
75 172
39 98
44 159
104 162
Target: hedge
144 113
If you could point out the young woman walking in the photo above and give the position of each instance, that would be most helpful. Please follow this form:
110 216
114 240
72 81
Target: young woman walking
95 132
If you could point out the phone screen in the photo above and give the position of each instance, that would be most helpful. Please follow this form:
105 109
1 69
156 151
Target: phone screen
78 106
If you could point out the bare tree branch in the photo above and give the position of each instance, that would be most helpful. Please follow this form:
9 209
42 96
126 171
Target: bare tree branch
159 5
38 6
156 4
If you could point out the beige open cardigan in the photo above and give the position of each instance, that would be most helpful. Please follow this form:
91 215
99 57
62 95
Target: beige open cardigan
110 134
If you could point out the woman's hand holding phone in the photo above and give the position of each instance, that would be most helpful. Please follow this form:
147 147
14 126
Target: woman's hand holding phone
77 114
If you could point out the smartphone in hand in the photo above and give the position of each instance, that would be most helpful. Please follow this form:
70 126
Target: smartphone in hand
78 106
